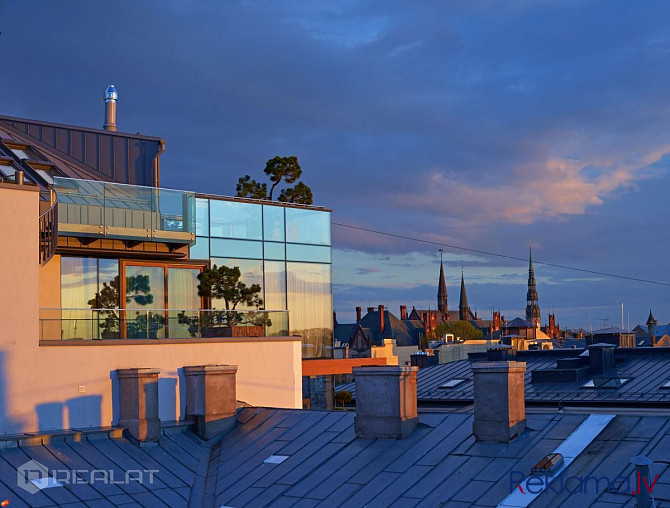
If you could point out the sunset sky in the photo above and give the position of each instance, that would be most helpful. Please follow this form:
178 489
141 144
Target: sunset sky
486 125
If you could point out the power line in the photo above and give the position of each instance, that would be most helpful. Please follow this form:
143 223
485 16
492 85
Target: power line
499 255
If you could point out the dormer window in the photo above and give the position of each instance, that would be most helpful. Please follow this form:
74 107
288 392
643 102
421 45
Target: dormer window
24 152
46 171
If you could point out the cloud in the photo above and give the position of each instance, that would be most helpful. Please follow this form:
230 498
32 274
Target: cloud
531 193
365 271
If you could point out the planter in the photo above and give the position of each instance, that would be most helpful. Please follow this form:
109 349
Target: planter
234 331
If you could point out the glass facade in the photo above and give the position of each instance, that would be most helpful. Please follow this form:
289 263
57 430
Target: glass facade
286 250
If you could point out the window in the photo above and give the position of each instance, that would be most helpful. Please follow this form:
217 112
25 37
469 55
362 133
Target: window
231 219
310 306
307 226
89 284
612 382
202 217
220 247
24 152
317 253
273 223
200 249
7 171
251 273
452 383
274 250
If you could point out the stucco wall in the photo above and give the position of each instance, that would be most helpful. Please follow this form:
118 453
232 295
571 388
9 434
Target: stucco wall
40 385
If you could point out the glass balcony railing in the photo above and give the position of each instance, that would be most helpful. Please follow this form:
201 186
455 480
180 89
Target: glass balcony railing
90 208
107 324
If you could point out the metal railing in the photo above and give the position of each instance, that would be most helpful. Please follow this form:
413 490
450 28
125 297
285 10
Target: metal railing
109 324
48 226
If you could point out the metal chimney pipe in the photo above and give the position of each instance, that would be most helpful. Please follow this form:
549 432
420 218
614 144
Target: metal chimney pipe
110 98
643 483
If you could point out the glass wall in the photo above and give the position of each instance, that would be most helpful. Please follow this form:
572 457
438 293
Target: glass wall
86 284
284 249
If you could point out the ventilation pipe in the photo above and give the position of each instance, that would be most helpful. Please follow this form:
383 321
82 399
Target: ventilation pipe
110 98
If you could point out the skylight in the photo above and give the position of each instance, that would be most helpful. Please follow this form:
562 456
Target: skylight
24 153
451 383
666 385
612 382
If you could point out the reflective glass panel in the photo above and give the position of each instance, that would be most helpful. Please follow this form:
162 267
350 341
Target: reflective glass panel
251 273
79 286
230 219
310 307
273 223
272 250
220 247
202 217
316 253
200 249
307 226
183 302
145 301
275 295
108 298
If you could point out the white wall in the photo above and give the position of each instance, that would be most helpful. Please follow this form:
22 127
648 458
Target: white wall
40 385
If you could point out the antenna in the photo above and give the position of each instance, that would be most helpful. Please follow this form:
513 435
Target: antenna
441 252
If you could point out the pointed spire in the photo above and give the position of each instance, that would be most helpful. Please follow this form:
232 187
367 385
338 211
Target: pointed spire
442 289
463 307
532 306
650 319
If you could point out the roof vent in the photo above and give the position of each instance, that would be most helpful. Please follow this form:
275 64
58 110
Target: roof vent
549 465
110 98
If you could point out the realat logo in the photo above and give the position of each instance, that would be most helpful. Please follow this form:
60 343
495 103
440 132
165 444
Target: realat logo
579 484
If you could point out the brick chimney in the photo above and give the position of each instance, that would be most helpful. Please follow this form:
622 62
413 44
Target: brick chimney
381 320
358 314
371 309
391 416
403 312
500 406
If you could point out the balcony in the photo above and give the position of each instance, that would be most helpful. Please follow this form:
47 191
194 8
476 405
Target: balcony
116 324
96 209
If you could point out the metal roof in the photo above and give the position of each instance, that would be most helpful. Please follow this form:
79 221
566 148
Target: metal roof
647 369
286 458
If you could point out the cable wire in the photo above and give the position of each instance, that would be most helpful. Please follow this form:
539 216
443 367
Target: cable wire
499 255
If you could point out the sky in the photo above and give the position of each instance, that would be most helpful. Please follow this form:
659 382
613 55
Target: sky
479 124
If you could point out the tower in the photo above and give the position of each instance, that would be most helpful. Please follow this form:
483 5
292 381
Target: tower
463 307
532 307
651 323
442 292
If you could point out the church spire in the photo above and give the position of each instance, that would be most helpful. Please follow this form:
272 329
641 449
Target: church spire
463 307
442 290
532 307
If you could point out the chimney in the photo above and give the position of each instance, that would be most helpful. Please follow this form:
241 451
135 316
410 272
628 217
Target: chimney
391 416
358 314
138 395
334 318
211 398
110 98
500 406
601 359
501 353
371 309
403 312
381 320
